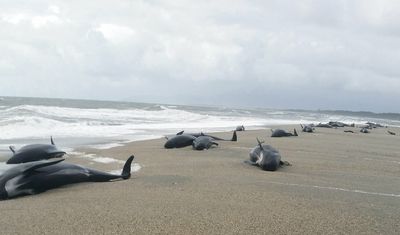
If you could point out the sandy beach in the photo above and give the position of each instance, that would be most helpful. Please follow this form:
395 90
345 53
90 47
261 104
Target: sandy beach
339 183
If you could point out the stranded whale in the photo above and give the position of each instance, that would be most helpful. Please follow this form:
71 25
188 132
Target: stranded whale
234 136
181 140
266 157
203 142
307 128
35 152
39 176
240 128
282 133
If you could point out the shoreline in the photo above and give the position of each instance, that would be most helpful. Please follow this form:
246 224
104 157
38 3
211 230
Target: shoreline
338 183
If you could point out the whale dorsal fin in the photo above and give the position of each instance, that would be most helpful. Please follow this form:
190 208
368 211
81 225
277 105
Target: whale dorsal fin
51 140
180 133
12 148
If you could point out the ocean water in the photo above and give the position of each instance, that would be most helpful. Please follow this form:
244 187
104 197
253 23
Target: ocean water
104 124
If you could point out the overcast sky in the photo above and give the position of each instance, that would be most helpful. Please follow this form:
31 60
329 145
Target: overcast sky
310 54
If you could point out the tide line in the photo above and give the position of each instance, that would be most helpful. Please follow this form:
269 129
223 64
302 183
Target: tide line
339 189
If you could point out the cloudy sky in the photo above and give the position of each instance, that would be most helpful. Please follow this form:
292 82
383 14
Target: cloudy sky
310 54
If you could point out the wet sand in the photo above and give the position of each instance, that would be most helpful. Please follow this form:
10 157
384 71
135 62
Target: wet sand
339 183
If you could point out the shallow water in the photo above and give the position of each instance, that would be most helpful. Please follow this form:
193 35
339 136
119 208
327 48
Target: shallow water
106 124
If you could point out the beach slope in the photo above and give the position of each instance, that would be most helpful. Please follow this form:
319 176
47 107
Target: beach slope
338 183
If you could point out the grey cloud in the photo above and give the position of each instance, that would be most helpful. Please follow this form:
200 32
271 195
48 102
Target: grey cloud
283 54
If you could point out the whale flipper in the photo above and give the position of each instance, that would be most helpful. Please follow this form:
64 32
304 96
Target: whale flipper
12 148
29 167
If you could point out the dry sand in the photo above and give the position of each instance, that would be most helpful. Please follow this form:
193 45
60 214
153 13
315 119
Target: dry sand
339 183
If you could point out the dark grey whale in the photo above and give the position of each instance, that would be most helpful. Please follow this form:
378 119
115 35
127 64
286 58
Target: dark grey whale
240 128
282 133
325 125
266 157
307 128
391 133
340 124
203 142
234 136
348 131
35 152
179 141
182 139
39 176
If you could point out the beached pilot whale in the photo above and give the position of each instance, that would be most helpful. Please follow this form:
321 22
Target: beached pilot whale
307 128
39 176
234 136
179 141
266 157
325 125
391 133
35 152
282 133
203 142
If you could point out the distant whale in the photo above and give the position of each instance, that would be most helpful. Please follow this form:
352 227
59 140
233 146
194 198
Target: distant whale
234 136
203 142
282 133
307 128
182 139
35 152
240 128
39 176
339 124
325 125
391 133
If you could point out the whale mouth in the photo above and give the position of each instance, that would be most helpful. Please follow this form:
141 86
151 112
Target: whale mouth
57 154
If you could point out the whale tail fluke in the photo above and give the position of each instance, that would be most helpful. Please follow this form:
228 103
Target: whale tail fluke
51 140
126 171
234 136
180 133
